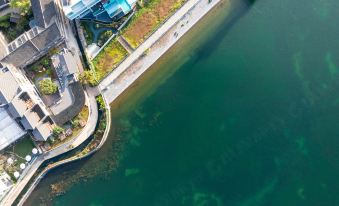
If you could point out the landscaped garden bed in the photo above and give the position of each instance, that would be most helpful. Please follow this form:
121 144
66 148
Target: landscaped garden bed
96 33
41 69
109 59
87 31
148 18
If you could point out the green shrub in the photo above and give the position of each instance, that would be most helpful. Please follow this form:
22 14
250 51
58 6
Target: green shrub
22 5
88 77
45 62
48 87
5 24
101 102
4 18
57 131
36 68
104 36
75 123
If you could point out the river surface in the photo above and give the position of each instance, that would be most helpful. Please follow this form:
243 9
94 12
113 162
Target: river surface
239 113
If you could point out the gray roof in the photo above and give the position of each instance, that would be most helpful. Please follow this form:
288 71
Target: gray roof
47 37
65 65
17 107
66 62
43 11
22 54
25 53
65 101
36 43
73 110
9 87
30 120
71 63
42 132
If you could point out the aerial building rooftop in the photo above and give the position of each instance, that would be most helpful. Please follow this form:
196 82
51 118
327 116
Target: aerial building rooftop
100 10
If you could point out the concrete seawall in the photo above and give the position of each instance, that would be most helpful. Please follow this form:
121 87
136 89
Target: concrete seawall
154 47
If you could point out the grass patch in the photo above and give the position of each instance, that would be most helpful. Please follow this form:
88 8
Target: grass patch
23 147
148 18
4 18
109 58
17 152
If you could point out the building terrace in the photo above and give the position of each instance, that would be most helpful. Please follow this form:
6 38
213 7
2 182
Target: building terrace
21 109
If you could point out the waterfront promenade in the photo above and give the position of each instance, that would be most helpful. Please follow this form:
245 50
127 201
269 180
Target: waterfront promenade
154 47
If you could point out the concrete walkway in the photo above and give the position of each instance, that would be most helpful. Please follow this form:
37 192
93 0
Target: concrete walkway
154 47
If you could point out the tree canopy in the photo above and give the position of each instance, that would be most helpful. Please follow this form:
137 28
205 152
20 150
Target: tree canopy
48 87
22 5
88 77
57 131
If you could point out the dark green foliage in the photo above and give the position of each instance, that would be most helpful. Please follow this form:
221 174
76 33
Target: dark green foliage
48 87
57 131
101 102
88 77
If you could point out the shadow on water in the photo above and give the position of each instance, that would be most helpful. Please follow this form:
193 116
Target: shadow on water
239 10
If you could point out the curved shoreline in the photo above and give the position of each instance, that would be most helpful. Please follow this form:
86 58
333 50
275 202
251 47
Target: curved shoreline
136 64
71 159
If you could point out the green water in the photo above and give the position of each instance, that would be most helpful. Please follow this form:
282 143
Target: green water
237 114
